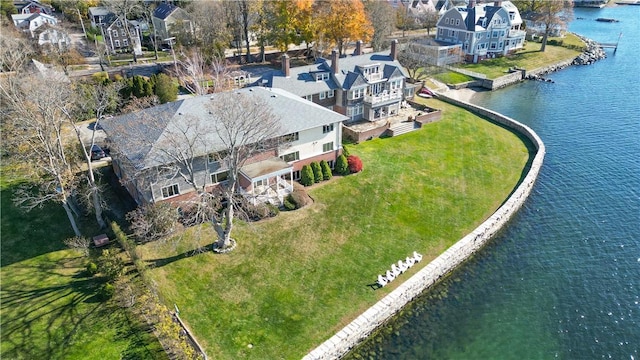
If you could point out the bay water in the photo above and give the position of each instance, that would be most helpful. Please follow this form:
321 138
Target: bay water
562 280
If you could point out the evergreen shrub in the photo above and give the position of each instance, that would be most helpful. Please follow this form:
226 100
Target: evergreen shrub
326 170
342 166
306 176
317 172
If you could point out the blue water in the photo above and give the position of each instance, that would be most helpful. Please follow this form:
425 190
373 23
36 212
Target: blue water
563 279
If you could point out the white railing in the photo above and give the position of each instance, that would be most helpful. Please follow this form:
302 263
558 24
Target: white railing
516 33
373 76
383 96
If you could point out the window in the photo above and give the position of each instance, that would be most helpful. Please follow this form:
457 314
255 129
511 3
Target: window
123 33
219 177
495 34
446 21
330 163
492 46
356 93
457 21
215 157
323 95
395 84
119 24
125 42
322 76
114 33
169 191
355 110
327 147
258 183
440 31
327 128
117 43
330 93
296 175
309 97
294 156
452 33
291 137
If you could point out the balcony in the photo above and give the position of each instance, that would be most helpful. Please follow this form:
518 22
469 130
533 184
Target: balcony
384 96
516 33
373 77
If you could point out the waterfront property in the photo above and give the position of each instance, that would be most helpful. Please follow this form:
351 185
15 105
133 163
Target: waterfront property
295 280
313 133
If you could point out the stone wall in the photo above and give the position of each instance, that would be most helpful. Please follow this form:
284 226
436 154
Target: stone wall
503 81
358 330
360 136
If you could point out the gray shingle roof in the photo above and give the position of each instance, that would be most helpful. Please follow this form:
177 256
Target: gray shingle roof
295 114
164 10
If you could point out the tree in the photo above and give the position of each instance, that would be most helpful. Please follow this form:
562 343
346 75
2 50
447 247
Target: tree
355 164
317 172
404 21
341 21
326 170
126 9
165 88
15 50
306 176
414 61
428 20
7 8
193 72
153 221
35 110
553 14
212 32
342 166
382 18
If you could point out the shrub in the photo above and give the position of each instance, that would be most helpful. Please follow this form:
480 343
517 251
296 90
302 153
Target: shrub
342 166
306 176
92 268
111 265
326 170
345 151
288 203
106 291
165 88
355 164
152 222
300 198
317 172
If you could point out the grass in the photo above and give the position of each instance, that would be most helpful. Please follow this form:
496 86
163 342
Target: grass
296 279
452 77
49 308
529 58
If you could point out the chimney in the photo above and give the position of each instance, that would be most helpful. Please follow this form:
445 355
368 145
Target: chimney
286 66
394 49
472 4
497 3
358 48
334 61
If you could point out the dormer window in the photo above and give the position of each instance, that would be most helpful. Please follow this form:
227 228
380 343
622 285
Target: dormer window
322 76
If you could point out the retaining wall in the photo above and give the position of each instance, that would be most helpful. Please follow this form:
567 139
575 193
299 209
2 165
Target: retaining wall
358 330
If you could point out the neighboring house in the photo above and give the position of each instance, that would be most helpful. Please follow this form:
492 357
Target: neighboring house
314 131
118 35
484 30
31 22
363 86
590 3
435 52
165 16
48 72
33 7
55 37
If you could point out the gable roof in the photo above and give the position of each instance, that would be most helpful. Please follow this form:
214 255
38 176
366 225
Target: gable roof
295 113
164 10
302 80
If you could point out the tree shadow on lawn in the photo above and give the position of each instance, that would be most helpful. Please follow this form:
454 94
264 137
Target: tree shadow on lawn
184 255
50 312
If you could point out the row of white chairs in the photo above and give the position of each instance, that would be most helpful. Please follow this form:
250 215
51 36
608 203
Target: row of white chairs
398 269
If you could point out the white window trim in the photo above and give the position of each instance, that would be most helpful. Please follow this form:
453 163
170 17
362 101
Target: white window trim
177 187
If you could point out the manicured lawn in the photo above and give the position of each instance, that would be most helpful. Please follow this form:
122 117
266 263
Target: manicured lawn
530 58
49 308
296 279
451 77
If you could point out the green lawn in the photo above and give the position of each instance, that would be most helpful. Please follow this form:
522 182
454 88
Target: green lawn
529 58
49 308
296 279
451 77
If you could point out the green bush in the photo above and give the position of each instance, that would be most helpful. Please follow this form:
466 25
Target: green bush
92 268
165 88
342 166
345 150
111 265
306 176
288 203
326 170
106 291
317 172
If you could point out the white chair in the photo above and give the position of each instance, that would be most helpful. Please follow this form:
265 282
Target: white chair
402 266
382 281
390 276
410 261
417 257
395 270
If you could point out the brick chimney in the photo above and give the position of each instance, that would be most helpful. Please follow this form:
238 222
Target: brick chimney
394 49
334 61
286 65
497 3
358 48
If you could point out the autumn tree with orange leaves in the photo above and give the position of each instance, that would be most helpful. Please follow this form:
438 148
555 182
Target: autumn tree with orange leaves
340 21
290 22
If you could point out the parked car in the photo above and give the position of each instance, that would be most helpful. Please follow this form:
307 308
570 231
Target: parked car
97 153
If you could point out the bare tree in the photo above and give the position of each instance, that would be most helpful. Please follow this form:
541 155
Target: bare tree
382 18
193 72
35 110
99 99
212 32
15 50
553 14
79 244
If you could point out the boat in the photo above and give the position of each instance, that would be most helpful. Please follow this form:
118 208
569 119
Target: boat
425 93
607 20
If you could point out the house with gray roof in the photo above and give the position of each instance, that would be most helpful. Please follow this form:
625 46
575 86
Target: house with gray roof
366 87
119 34
166 16
313 132
485 30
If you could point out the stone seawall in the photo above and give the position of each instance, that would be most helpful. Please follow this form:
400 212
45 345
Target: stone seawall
360 328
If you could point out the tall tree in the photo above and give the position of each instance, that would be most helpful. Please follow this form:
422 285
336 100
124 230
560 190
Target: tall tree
383 21
404 21
212 31
553 14
341 21
35 110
